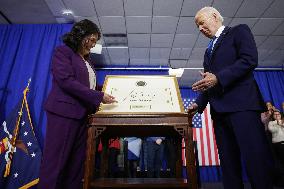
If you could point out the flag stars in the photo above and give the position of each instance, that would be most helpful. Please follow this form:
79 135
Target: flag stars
25 133
16 175
23 123
33 154
20 113
29 143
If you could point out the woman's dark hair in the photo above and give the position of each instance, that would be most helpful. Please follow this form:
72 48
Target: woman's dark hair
80 30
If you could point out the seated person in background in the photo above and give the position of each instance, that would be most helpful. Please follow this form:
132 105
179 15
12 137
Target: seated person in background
133 155
276 127
154 156
266 117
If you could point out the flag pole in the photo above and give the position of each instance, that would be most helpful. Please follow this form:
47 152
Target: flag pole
27 106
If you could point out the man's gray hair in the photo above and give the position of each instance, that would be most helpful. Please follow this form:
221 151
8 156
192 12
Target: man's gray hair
210 11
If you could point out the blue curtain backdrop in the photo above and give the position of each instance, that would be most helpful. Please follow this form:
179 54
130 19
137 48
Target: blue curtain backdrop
26 52
101 73
271 85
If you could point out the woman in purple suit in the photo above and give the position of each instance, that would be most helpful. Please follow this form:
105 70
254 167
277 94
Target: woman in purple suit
71 99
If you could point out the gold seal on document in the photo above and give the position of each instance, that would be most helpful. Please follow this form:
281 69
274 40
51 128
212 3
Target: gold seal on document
141 83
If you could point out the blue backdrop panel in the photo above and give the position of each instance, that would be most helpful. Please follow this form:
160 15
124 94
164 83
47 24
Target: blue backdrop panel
101 73
26 53
271 85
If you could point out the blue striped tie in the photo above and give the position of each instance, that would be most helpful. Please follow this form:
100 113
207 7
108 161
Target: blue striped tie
210 47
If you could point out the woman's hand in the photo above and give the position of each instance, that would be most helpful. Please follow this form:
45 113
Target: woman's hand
108 99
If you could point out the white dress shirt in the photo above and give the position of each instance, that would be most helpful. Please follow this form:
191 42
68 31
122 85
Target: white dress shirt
217 34
92 76
277 131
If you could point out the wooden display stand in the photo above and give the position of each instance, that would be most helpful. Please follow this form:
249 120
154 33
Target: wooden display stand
141 125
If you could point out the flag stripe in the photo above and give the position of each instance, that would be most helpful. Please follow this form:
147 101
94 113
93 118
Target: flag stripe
202 141
207 133
206 140
215 148
212 142
183 153
203 134
194 134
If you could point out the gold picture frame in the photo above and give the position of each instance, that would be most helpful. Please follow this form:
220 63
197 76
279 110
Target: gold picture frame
142 94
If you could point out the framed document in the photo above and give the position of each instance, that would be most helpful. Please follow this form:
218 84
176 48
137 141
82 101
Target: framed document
139 94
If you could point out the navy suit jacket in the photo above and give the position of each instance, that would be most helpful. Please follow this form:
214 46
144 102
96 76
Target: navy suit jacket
233 60
70 95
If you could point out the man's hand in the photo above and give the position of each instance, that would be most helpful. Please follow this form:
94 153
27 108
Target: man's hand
108 99
192 109
159 141
209 80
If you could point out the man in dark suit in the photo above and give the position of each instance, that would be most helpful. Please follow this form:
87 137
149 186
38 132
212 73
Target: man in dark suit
236 103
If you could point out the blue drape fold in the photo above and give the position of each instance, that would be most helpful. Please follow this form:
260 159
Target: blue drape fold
271 85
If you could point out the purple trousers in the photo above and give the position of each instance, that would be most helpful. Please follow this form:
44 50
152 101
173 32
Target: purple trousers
64 153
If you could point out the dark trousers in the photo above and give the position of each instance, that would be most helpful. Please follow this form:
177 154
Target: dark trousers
64 153
278 149
279 152
154 161
171 155
241 134
112 162
132 168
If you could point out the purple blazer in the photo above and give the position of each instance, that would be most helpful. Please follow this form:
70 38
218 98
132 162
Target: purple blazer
70 95
233 60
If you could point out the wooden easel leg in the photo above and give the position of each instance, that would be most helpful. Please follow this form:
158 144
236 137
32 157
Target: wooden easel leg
93 134
190 160
104 158
179 159
90 158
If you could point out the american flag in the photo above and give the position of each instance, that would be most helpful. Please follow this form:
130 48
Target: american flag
203 134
